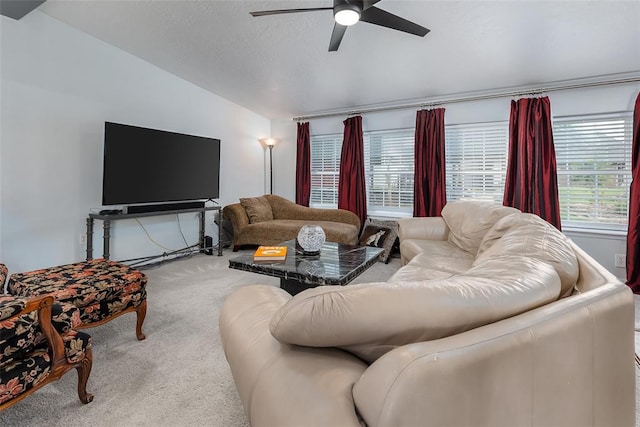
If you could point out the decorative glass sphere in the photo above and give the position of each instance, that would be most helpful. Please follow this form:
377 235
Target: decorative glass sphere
311 238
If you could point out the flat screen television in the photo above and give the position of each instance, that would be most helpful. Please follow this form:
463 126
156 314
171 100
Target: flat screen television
153 166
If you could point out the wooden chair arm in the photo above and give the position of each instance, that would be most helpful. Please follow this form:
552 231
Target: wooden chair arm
43 306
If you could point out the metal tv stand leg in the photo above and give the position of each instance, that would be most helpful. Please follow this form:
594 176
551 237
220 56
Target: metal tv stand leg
106 226
89 238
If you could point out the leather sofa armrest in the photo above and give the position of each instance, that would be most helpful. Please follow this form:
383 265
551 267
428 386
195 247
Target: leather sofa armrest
237 215
560 364
423 228
281 384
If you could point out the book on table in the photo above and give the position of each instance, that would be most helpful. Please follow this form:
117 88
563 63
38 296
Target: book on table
270 253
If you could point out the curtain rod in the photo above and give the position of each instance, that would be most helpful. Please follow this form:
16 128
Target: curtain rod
436 101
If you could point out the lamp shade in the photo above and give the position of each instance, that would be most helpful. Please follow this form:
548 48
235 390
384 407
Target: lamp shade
269 142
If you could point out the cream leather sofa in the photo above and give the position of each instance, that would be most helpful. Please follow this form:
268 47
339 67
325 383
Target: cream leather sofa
496 319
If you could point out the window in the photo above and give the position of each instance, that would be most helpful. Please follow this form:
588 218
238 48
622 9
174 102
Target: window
325 167
389 172
476 157
593 156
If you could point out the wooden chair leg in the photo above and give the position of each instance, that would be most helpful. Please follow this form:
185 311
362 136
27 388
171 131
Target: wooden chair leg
83 376
141 312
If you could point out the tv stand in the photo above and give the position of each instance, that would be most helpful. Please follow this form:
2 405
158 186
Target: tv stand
107 218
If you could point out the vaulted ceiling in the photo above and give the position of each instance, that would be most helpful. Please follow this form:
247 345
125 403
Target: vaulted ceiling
279 66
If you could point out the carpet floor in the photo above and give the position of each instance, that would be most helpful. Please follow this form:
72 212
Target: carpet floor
178 376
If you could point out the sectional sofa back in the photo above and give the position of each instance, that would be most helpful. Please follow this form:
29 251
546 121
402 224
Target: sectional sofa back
521 263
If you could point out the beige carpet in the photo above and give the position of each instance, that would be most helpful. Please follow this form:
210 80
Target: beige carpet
178 376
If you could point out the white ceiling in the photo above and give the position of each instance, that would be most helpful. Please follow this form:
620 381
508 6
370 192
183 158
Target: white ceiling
279 66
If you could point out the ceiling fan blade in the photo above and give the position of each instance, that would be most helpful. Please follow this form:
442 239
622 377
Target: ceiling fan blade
336 36
281 11
366 4
376 16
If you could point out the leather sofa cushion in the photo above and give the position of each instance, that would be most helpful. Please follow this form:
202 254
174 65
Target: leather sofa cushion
258 209
469 221
526 234
370 319
434 260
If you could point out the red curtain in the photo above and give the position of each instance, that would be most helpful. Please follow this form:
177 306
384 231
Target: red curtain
303 165
531 183
429 188
633 233
351 186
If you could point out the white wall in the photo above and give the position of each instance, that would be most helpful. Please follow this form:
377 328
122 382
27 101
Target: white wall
284 158
58 87
595 100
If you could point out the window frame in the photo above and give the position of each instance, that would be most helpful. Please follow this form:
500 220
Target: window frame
498 133
596 226
317 200
397 172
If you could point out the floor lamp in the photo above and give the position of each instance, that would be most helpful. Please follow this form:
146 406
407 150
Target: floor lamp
269 143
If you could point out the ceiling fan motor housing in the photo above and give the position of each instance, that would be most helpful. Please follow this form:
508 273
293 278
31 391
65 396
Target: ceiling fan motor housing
347 12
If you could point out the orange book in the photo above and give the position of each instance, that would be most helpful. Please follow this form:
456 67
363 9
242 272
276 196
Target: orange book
270 253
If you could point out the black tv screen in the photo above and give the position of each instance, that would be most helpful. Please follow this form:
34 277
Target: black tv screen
149 166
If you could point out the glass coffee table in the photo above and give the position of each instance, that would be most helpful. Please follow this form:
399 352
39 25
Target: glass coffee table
337 264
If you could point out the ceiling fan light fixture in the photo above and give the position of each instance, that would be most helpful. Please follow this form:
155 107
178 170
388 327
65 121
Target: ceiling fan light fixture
346 14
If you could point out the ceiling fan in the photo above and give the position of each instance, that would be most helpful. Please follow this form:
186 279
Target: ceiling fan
348 12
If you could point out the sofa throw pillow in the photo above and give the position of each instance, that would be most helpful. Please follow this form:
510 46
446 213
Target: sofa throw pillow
258 209
469 220
371 319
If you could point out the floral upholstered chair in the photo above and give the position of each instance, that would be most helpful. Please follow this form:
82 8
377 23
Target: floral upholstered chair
38 344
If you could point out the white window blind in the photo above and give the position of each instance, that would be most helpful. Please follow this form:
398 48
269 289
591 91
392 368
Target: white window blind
389 172
325 167
593 156
476 158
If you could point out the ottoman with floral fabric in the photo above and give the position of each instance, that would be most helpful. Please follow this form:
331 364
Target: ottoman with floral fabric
101 289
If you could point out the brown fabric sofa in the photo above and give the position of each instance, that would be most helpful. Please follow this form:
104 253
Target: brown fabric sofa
270 219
